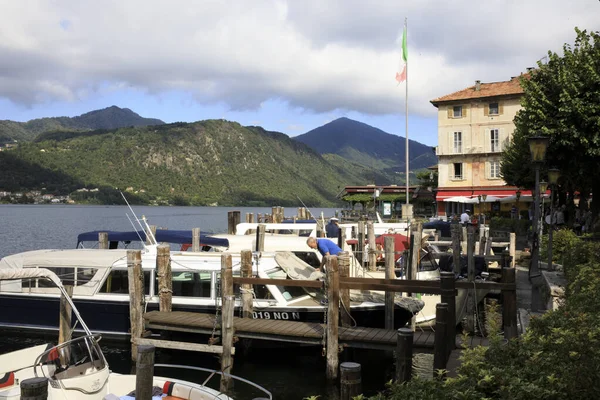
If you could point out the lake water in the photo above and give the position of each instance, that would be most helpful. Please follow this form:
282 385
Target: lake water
289 373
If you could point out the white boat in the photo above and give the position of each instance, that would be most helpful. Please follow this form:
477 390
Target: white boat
77 369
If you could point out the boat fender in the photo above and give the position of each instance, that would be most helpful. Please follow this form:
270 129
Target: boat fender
7 380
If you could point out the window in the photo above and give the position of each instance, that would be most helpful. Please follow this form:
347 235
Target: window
76 276
493 109
118 282
494 169
457 142
457 111
191 284
494 140
458 172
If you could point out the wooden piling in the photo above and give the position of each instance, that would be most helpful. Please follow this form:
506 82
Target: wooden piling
103 240
389 274
333 312
260 238
415 237
513 247
440 352
471 278
144 372
196 240
456 232
448 296
64 329
342 238
136 297
34 388
165 279
482 241
372 247
233 218
344 272
246 288
509 304
350 381
360 248
151 233
404 353
228 304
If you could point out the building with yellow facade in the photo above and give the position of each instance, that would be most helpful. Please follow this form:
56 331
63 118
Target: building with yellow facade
474 126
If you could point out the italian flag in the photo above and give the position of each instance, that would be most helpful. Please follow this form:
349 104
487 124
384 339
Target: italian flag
401 76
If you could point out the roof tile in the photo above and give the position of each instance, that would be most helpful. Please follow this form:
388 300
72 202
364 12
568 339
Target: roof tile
492 89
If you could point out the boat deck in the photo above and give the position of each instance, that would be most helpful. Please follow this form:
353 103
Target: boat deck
284 331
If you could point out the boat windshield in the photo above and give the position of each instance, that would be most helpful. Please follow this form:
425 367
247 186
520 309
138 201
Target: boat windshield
289 292
77 354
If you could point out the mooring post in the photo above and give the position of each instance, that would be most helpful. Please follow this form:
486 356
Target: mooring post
228 301
361 243
404 352
144 372
440 352
372 247
64 329
333 313
415 248
350 380
165 278
34 388
488 245
455 232
103 240
482 241
513 247
448 296
342 238
260 238
196 240
233 218
150 233
246 288
135 278
509 304
471 296
389 247
343 259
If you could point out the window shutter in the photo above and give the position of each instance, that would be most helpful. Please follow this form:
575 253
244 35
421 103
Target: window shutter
450 171
488 174
486 110
500 108
464 111
502 139
450 112
487 141
450 143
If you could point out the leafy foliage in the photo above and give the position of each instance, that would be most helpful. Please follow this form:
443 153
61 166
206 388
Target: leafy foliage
561 102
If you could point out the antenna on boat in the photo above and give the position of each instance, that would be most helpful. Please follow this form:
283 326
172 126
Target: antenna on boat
146 228
308 209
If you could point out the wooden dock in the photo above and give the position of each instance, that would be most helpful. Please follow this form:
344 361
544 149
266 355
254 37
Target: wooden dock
282 331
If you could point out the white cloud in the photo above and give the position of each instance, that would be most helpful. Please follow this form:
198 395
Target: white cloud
316 55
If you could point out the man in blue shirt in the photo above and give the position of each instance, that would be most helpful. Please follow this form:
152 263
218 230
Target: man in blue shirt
325 246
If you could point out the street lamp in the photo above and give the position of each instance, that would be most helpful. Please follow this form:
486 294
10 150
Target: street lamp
537 147
553 175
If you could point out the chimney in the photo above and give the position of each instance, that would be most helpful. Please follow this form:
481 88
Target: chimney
477 86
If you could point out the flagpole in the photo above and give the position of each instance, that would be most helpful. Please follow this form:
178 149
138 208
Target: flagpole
406 117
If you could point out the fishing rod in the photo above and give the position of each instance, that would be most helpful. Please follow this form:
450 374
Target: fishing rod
146 228
307 209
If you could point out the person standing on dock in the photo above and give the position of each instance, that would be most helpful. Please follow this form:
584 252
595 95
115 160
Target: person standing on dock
332 228
325 246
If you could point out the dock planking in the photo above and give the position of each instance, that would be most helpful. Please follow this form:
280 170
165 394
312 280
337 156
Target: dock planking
288 331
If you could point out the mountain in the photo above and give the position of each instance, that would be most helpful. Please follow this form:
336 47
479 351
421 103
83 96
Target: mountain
368 146
201 163
108 118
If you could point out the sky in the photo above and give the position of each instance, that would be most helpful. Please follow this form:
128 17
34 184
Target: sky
288 66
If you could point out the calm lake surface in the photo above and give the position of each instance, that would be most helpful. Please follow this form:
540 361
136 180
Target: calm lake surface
288 372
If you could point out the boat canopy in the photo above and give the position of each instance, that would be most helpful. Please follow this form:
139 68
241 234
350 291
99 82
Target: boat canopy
91 258
162 235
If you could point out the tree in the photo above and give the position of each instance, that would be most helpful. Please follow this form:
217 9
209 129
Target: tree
561 100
